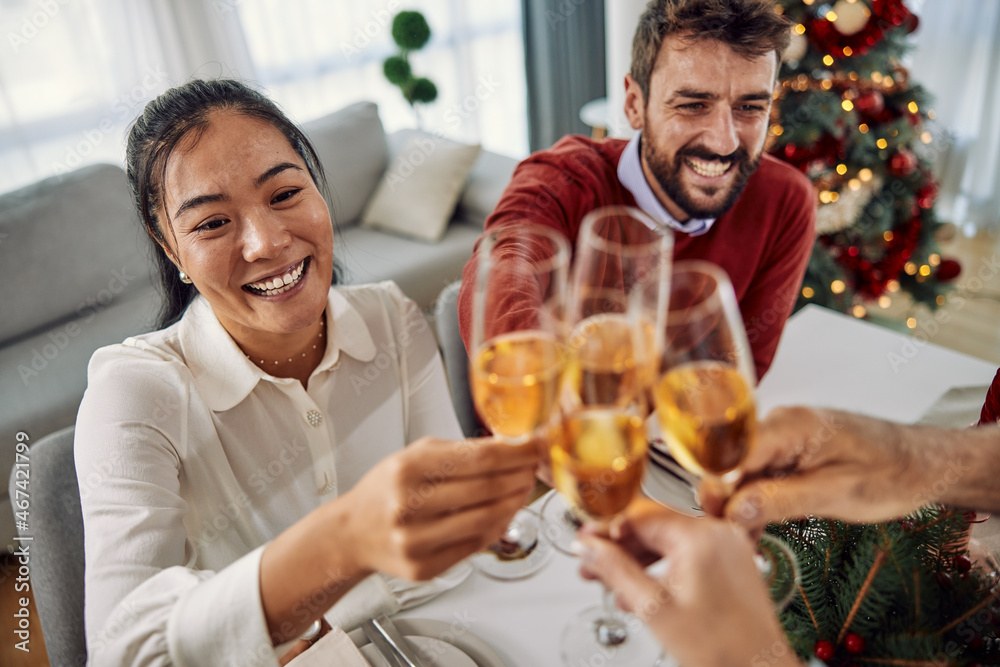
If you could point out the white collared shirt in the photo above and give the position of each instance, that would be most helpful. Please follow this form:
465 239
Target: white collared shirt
632 178
190 459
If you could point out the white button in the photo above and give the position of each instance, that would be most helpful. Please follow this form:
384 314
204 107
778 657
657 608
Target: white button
314 418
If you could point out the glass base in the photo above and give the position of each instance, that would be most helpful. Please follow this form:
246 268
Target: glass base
520 553
779 568
590 639
559 523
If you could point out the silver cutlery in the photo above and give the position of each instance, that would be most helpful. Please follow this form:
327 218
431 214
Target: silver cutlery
669 465
390 643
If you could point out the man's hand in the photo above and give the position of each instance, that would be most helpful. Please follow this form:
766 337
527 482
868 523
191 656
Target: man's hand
831 464
711 583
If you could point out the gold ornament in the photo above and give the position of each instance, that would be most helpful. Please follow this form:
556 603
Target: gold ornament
797 47
852 17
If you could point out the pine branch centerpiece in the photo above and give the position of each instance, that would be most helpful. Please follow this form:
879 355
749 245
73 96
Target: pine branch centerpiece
903 592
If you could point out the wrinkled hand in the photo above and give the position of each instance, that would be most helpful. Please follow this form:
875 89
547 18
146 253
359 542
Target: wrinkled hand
422 510
710 607
825 463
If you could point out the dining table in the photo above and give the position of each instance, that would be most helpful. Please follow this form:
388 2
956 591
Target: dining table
824 359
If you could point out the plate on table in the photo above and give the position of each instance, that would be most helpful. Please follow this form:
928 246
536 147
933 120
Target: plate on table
440 644
666 482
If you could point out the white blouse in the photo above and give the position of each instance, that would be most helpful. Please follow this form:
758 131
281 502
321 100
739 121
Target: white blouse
190 459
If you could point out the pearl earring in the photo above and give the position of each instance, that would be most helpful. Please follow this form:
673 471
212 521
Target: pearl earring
184 278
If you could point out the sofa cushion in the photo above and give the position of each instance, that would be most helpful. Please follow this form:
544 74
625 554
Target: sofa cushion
352 147
45 374
70 243
486 182
421 270
418 193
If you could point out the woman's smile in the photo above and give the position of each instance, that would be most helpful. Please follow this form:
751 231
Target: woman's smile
281 282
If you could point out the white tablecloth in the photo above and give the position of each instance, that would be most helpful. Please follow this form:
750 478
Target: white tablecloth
824 359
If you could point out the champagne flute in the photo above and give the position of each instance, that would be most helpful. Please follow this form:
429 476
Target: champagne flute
620 277
516 362
617 301
704 396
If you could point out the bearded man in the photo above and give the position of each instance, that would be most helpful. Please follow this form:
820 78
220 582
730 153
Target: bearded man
699 96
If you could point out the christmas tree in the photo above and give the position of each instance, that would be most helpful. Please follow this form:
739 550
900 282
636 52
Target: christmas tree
898 593
847 115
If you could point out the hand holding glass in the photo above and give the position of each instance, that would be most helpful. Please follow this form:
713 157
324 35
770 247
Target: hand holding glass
704 395
516 360
617 301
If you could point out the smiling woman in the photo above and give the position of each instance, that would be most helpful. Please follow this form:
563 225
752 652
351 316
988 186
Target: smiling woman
247 481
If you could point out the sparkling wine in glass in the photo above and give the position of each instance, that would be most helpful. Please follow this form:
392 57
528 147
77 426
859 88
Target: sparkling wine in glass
619 286
704 396
617 301
516 362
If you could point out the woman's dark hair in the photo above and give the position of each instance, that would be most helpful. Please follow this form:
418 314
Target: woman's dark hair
157 131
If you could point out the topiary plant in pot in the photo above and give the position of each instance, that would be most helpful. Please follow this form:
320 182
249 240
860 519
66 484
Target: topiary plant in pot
411 32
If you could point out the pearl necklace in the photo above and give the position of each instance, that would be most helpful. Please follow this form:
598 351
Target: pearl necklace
316 342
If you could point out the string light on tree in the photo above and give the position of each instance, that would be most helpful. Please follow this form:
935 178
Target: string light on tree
862 145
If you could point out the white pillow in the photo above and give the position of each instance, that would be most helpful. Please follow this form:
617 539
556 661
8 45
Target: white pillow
419 190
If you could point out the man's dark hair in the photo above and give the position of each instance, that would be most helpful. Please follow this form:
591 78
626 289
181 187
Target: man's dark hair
749 27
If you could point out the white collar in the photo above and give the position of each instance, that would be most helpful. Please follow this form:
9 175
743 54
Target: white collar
630 175
223 374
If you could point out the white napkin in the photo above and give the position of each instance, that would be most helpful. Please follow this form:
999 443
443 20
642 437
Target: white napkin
333 648
382 594
959 407
412 593
370 597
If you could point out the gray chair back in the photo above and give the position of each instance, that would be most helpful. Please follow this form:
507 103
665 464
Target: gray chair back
55 524
456 360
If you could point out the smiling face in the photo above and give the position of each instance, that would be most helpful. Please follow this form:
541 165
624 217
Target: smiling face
245 221
704 124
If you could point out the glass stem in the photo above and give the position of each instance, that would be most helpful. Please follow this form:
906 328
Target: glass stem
610 628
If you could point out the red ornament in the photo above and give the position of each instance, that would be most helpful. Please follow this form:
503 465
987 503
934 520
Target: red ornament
823 153
823 649
902 163
871 103
963 563
855 643
886 15
948 270
926 195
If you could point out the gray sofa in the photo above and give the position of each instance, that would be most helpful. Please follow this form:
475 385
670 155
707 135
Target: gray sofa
82 273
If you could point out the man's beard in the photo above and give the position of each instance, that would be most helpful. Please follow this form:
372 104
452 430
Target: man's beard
668 176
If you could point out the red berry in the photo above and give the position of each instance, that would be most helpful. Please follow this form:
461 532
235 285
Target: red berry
963 563
855 643
823 649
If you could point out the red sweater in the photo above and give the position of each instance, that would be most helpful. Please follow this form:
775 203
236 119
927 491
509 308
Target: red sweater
991 407
763 242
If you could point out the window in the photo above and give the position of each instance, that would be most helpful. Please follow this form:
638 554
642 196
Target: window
74 74
317 55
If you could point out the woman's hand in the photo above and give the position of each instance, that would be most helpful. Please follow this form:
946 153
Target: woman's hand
710 607
413 515
422 510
